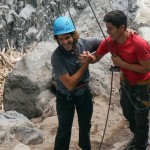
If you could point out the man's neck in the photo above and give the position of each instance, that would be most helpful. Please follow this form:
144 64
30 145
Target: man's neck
122 38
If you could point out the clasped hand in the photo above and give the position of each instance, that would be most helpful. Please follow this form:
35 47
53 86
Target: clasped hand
85 57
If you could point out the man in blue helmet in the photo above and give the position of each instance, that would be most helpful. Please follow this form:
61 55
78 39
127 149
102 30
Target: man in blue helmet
72 83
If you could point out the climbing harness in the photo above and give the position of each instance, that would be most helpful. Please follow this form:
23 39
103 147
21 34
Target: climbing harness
146 103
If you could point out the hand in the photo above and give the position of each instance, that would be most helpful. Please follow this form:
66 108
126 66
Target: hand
117 61
130 32
82 57
89 57
86 56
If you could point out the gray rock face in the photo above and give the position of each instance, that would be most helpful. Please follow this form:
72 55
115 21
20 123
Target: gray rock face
100 77
19 19
25 86
16 126
29 135
80 4
29 78
21 146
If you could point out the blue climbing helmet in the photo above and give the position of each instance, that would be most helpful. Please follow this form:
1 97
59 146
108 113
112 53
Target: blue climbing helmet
63 25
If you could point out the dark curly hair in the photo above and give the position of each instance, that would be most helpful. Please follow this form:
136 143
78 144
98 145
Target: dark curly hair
75 35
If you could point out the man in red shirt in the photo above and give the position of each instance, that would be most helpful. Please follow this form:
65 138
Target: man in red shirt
132 54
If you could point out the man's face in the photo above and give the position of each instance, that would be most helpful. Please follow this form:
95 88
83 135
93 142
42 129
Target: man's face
114 32
66 41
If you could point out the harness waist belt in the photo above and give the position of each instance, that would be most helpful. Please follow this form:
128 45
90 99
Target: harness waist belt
75 93
145 82
82 86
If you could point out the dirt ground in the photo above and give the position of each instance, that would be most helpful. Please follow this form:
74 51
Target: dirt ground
116 131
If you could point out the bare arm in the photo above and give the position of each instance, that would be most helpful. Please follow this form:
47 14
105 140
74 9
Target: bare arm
146 64
143 67
71 82
95 57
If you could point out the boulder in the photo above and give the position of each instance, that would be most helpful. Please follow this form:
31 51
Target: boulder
30 76
21 146
14 126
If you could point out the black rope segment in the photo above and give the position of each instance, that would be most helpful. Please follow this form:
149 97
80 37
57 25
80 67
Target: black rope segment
110 97
108 45
68 6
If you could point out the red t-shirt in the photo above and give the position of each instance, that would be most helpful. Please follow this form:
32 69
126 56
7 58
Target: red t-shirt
134 49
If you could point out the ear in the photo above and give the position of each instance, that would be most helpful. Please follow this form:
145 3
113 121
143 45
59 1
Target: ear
122 27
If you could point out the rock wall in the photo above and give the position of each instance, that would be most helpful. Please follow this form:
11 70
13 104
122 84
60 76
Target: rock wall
23 22
26 84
